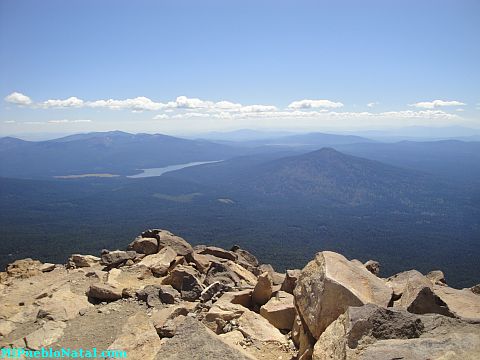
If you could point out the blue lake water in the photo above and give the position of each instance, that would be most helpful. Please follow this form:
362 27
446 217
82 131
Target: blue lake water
160 171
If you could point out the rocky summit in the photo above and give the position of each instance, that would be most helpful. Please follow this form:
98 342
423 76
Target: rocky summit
162 298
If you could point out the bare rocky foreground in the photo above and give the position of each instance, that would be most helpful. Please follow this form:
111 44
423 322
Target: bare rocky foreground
162 299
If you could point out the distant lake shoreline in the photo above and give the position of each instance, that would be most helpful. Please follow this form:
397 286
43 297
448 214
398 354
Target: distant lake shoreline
151 172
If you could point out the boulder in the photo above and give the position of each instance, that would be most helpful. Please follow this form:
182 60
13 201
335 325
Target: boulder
161 316
277 278
219 253
373 266
150 294
375 333
168 295
220 272
418 298
290 281
245 258
24 268
436 277
462 303
475 289
263 289
399 281
243 297
117 257
258 328
280 311
104 292
6 327
138 338
185 279
143 245
160 262
166 238
246 276
194 341
79 261
202 262
329 284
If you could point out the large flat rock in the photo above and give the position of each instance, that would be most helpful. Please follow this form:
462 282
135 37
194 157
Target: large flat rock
194 341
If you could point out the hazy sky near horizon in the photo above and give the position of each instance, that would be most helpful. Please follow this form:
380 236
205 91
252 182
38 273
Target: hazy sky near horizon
198 66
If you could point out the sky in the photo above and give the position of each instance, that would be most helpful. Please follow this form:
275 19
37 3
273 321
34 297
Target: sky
183 67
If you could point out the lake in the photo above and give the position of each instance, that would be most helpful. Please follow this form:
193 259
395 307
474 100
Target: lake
160 171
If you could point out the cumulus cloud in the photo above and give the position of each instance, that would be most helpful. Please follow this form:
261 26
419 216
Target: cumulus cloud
312 104
18 99
140 103
373 104
436 103
65 103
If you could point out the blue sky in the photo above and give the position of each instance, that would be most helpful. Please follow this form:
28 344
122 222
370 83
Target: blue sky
194 66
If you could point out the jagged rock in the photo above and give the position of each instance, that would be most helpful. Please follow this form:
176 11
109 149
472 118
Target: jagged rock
150 294
245 258
290 281
185 279
280 311
169 328
138 338
214 290
277 278
222 312
166 238
104 292
159 263
258 328
373 266
194 341
235 339
117 257
201 262
462 303
436 277
374 333
399 281
49 333
248 277
418 297
79 261
161 316
219 272
47 267
263 289
329 284
24 268
143 245
219 253
475 289
168 295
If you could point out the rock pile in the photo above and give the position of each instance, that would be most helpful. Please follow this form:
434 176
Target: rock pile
161 298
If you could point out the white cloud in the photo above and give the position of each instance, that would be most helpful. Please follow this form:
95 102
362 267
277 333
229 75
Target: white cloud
65 103
161 117
311 104
140 103
9 122
372 104
65 121
257 108
18 99
436 103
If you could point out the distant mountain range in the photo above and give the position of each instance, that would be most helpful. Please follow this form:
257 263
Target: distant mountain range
403 203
